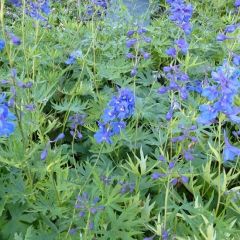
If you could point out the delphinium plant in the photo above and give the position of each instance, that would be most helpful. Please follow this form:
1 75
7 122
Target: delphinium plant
113 130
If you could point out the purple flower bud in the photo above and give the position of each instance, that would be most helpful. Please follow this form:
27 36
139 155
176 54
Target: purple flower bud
130 56
81 214
236 59
146 55
59 137
91 226
147 39
133 72
182 45
162 158
30 107
237 3
172 52
171 165
221 37
131 42
184 179
130 33
142 30
157 175
230 28
44 154
169 115
15 40
165 235
174 181
4 81
72 231
93 210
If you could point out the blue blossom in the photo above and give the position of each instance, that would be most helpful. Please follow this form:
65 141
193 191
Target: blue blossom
119 108
15 40
180 14
222 37
16 3
230 152
2 44
182 45
222 92
103 134
7 125
172 52
73 57
236 60
177 81
237 3
131 42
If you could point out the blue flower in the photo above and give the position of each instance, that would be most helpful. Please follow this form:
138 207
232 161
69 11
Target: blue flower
103 134
7 125
230 152
182 45
119 108
2 44
131 42
73 57
237 3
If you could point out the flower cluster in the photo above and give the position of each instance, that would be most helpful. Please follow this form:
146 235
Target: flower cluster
229 29
177 81
230 152
73 57
7 125
76 120
13 85
97 6
221 94
180 14
35 9
136 39
126 187
87 207
119 108
237 3
180 46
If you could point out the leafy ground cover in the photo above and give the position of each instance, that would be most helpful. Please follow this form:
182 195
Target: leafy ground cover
119 124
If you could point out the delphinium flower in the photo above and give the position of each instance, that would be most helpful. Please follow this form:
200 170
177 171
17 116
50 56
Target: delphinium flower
2 44
35 9
7 124
119 109
88 207
229 29
73 57
97 7
180 179
230 152
180 46
14 39
177 81
44 153
237 3
76 121
127 187
106 180
221 93
236 59
180 14
136 43
16 3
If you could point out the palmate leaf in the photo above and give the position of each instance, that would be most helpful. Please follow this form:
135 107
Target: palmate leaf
19 221
74 106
